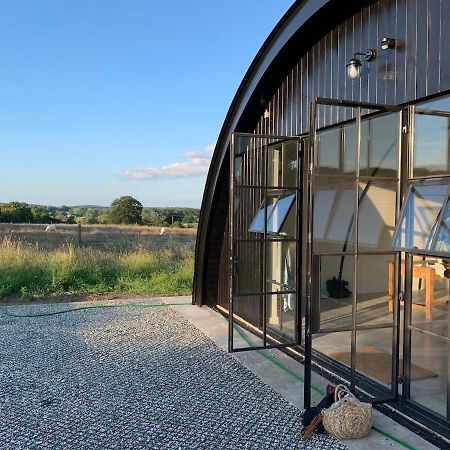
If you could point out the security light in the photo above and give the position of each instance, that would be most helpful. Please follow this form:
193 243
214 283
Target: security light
387 43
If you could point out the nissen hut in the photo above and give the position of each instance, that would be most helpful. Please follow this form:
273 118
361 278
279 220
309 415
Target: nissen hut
325 223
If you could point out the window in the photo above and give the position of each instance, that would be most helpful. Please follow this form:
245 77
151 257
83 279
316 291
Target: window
277 211
257 225
425 219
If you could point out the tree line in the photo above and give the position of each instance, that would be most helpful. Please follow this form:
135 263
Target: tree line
123 210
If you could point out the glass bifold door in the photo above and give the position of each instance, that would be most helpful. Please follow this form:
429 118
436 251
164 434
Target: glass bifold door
264 229
340 245
354 188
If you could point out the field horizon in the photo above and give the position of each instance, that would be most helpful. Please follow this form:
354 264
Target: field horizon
111 260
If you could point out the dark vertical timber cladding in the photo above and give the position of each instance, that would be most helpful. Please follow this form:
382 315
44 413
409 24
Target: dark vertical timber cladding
224 275
383 85
293 103
433 40
335 75
364 44
444 80
216 245
326 88
391 20
411 48
358 46
400 51
341 78
421 49
297 100
393 77
372 38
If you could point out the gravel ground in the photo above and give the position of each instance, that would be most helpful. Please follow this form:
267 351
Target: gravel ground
132 378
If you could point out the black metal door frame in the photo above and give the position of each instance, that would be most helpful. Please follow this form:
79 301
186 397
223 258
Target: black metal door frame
416 410
233 239
311 261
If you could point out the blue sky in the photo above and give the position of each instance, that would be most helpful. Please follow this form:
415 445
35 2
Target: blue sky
105 98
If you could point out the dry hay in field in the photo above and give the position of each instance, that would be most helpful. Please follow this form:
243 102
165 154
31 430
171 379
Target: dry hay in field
108 237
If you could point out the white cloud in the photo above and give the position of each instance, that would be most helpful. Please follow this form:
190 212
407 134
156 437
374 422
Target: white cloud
197 164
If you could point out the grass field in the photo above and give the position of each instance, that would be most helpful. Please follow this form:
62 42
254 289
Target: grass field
112 259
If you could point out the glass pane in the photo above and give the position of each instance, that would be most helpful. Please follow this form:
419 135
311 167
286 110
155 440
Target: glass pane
431 145
334 345
248 307
430 295
247 205
290 150
442 243
375 294
248 266
282 164
249 160
279 212
329 145
281 314
280 266
334 211
278 207
243 144
422 207
257 225
288 229
428 373
380 146
374 354
238 169
377 212
275 165
336 287
350 145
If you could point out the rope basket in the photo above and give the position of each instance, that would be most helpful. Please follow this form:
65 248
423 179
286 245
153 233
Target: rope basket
351 419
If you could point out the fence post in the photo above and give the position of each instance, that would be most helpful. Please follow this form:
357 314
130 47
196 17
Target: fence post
79 235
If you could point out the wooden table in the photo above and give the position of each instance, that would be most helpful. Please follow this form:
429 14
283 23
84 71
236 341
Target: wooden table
426 273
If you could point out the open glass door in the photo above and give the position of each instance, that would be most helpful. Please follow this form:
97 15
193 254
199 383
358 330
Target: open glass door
423 236
264 239
354 195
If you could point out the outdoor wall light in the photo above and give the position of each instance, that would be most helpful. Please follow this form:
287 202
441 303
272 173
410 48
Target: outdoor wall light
355 64
266 114
387 43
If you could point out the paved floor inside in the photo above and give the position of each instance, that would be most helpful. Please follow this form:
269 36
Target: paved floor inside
135 377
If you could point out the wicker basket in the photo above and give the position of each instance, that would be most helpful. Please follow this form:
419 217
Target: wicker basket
351 419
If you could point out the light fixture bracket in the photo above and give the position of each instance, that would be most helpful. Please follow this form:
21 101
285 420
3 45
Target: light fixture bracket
370 55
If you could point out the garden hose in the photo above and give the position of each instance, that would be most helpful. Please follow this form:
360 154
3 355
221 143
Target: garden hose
285 369
124 305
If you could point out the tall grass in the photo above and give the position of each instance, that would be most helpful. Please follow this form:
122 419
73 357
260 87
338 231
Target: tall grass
29 272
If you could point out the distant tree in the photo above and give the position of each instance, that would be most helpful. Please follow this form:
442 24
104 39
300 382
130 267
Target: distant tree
150 217
16 212
76 211
126 210
103 218
40 215
91 215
